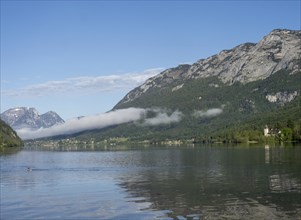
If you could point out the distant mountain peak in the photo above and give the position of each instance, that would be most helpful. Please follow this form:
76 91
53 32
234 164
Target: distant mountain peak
29 117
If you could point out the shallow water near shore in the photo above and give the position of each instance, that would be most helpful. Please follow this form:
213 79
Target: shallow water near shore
187 182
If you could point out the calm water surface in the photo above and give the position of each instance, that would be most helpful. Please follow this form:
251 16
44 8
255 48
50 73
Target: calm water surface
153 183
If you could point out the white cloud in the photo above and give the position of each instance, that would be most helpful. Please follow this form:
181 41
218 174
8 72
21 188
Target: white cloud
85 123
209 113
144 117
163 118
85 83
103 120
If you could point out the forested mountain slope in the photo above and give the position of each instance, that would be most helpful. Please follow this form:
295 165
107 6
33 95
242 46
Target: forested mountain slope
8 137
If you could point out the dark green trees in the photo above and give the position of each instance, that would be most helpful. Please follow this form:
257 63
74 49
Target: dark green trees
8 137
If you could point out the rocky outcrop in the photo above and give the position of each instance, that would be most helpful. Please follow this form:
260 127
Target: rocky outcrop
279 50
282 97
177 87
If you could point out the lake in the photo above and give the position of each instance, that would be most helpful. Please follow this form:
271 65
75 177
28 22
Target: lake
187 182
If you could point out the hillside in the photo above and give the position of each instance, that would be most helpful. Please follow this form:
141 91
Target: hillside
238 107
8 137
236 91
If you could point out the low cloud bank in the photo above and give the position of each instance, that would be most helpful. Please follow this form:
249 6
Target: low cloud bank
141 116
85 123
162 117
209 113
103 120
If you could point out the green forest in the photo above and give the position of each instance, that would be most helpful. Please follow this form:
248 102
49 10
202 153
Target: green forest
8 137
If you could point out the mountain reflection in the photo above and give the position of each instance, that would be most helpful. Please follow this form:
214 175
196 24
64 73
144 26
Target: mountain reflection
218 182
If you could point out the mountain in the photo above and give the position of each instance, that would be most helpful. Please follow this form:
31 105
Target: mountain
8 137
23 117
230 95
249 62
50 118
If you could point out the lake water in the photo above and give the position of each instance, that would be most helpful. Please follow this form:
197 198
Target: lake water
189 182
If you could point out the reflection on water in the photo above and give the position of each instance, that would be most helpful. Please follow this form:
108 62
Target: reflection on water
148 183
90 147
220 182
267 153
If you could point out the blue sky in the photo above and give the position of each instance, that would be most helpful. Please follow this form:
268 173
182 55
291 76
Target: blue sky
81 57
